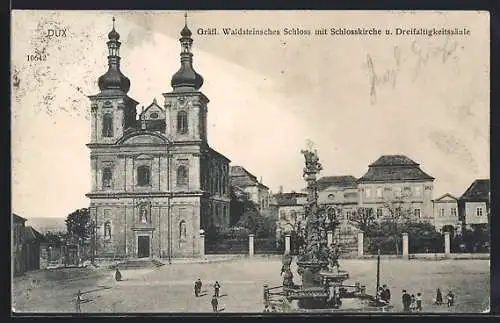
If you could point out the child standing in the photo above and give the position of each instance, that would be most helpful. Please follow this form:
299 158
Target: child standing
413 304
450 298
419 302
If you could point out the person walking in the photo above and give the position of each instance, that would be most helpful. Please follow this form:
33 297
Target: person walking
266 309
439 297
197 287
78 301
273 309
216 288
406 299
419 302
118 275
215 303
450 298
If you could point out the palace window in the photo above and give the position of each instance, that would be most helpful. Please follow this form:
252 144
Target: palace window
441 212
331 196
107 176
453 211
479 211
418 191
107 230
379 192
379 213
397 191
182 175
416 213
143 176
182 122
107 125
368 192
182 231
348 215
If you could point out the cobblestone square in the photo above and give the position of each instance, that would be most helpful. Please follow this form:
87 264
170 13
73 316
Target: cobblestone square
169 288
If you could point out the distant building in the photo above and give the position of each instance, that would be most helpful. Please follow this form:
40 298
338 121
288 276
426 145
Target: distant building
474 204
446 214
18 247
290 209
396 178
245 181
33 240
340 192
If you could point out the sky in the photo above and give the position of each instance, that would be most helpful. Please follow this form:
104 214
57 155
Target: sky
356 97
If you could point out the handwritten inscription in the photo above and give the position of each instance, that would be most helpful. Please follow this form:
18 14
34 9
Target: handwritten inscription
444 52
388 76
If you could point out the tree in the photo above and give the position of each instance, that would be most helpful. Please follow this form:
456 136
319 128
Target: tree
78 224
362 218
399 214
54 238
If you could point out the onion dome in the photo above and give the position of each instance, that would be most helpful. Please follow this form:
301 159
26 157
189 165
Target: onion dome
114 79
186 77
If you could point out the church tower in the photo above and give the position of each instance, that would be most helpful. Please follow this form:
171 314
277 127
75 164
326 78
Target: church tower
112 111
155 181
186 106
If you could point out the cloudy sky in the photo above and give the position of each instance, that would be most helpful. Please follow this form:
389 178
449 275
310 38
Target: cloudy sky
355 96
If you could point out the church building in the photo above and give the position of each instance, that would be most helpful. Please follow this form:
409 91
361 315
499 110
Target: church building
155 180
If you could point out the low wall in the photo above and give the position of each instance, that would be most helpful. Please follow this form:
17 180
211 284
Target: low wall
426 256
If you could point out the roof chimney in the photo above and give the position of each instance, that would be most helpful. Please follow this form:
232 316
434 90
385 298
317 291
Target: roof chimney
281 189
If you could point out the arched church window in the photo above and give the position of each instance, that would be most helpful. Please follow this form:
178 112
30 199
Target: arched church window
182 122
182 175
107 176
107 230
182 231
143 176
107 125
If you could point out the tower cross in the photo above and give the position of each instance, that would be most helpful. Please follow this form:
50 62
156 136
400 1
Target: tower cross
185 18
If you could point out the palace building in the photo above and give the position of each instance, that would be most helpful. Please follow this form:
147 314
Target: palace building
156 182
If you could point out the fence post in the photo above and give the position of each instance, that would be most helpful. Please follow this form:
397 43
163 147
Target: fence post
447 243
250 244
405 245
287 243
329 238
202 243
361 244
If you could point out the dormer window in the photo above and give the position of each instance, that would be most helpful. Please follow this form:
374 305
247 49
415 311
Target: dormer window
154 115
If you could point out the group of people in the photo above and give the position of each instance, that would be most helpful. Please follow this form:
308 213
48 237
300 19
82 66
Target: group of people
214 302
412 303
384 294
450 298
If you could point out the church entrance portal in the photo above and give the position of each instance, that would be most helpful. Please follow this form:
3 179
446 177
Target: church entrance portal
142 246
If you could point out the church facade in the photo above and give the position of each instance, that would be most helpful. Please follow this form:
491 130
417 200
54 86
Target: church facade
156 182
